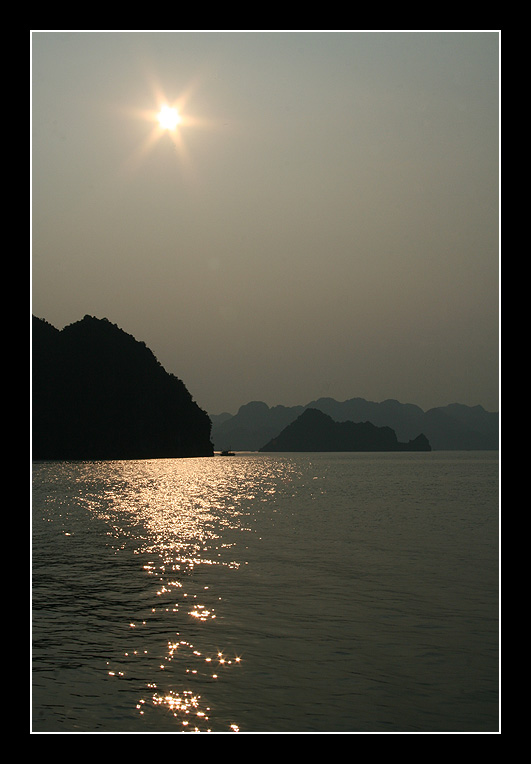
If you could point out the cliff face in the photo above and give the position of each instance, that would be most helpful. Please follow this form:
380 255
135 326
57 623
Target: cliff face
100 394
315 431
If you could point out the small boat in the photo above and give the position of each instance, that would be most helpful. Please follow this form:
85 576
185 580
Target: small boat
227 453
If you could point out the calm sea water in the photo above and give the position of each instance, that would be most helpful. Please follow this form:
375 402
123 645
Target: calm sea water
276 593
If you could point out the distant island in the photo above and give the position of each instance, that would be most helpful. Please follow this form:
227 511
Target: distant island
455 427
98 393
315 431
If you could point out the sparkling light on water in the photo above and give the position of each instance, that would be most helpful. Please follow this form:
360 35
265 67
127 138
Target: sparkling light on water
276 593
181 517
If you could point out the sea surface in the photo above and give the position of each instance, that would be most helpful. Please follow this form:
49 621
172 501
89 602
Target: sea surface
267 593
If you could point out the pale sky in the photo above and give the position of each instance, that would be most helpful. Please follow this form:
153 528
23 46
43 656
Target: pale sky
323 222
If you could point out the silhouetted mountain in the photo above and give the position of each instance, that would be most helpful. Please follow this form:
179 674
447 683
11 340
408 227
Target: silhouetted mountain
453 427
254 424
220 418
98 393
315 431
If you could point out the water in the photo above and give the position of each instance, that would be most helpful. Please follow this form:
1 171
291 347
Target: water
281 593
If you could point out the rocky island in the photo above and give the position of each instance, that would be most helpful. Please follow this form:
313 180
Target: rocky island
98 393
315 431
455 427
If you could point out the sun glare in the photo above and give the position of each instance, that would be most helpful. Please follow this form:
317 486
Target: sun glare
170 121
168 118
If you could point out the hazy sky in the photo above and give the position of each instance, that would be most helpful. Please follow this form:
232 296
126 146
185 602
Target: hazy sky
323 222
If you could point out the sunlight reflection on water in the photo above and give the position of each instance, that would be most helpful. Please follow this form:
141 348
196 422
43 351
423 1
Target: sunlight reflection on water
183 517
273 593
184 509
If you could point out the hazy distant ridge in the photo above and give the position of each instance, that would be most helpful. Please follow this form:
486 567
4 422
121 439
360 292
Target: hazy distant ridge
452 427
100 394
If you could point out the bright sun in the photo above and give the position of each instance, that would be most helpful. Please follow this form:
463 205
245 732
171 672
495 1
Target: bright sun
168 118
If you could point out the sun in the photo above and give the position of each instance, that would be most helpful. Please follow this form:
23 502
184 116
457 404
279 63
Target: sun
170 122
168 118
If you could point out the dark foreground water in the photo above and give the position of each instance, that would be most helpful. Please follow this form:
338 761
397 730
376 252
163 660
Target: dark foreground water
267 593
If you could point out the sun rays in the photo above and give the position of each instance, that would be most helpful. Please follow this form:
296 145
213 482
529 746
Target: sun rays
169 120
172 126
